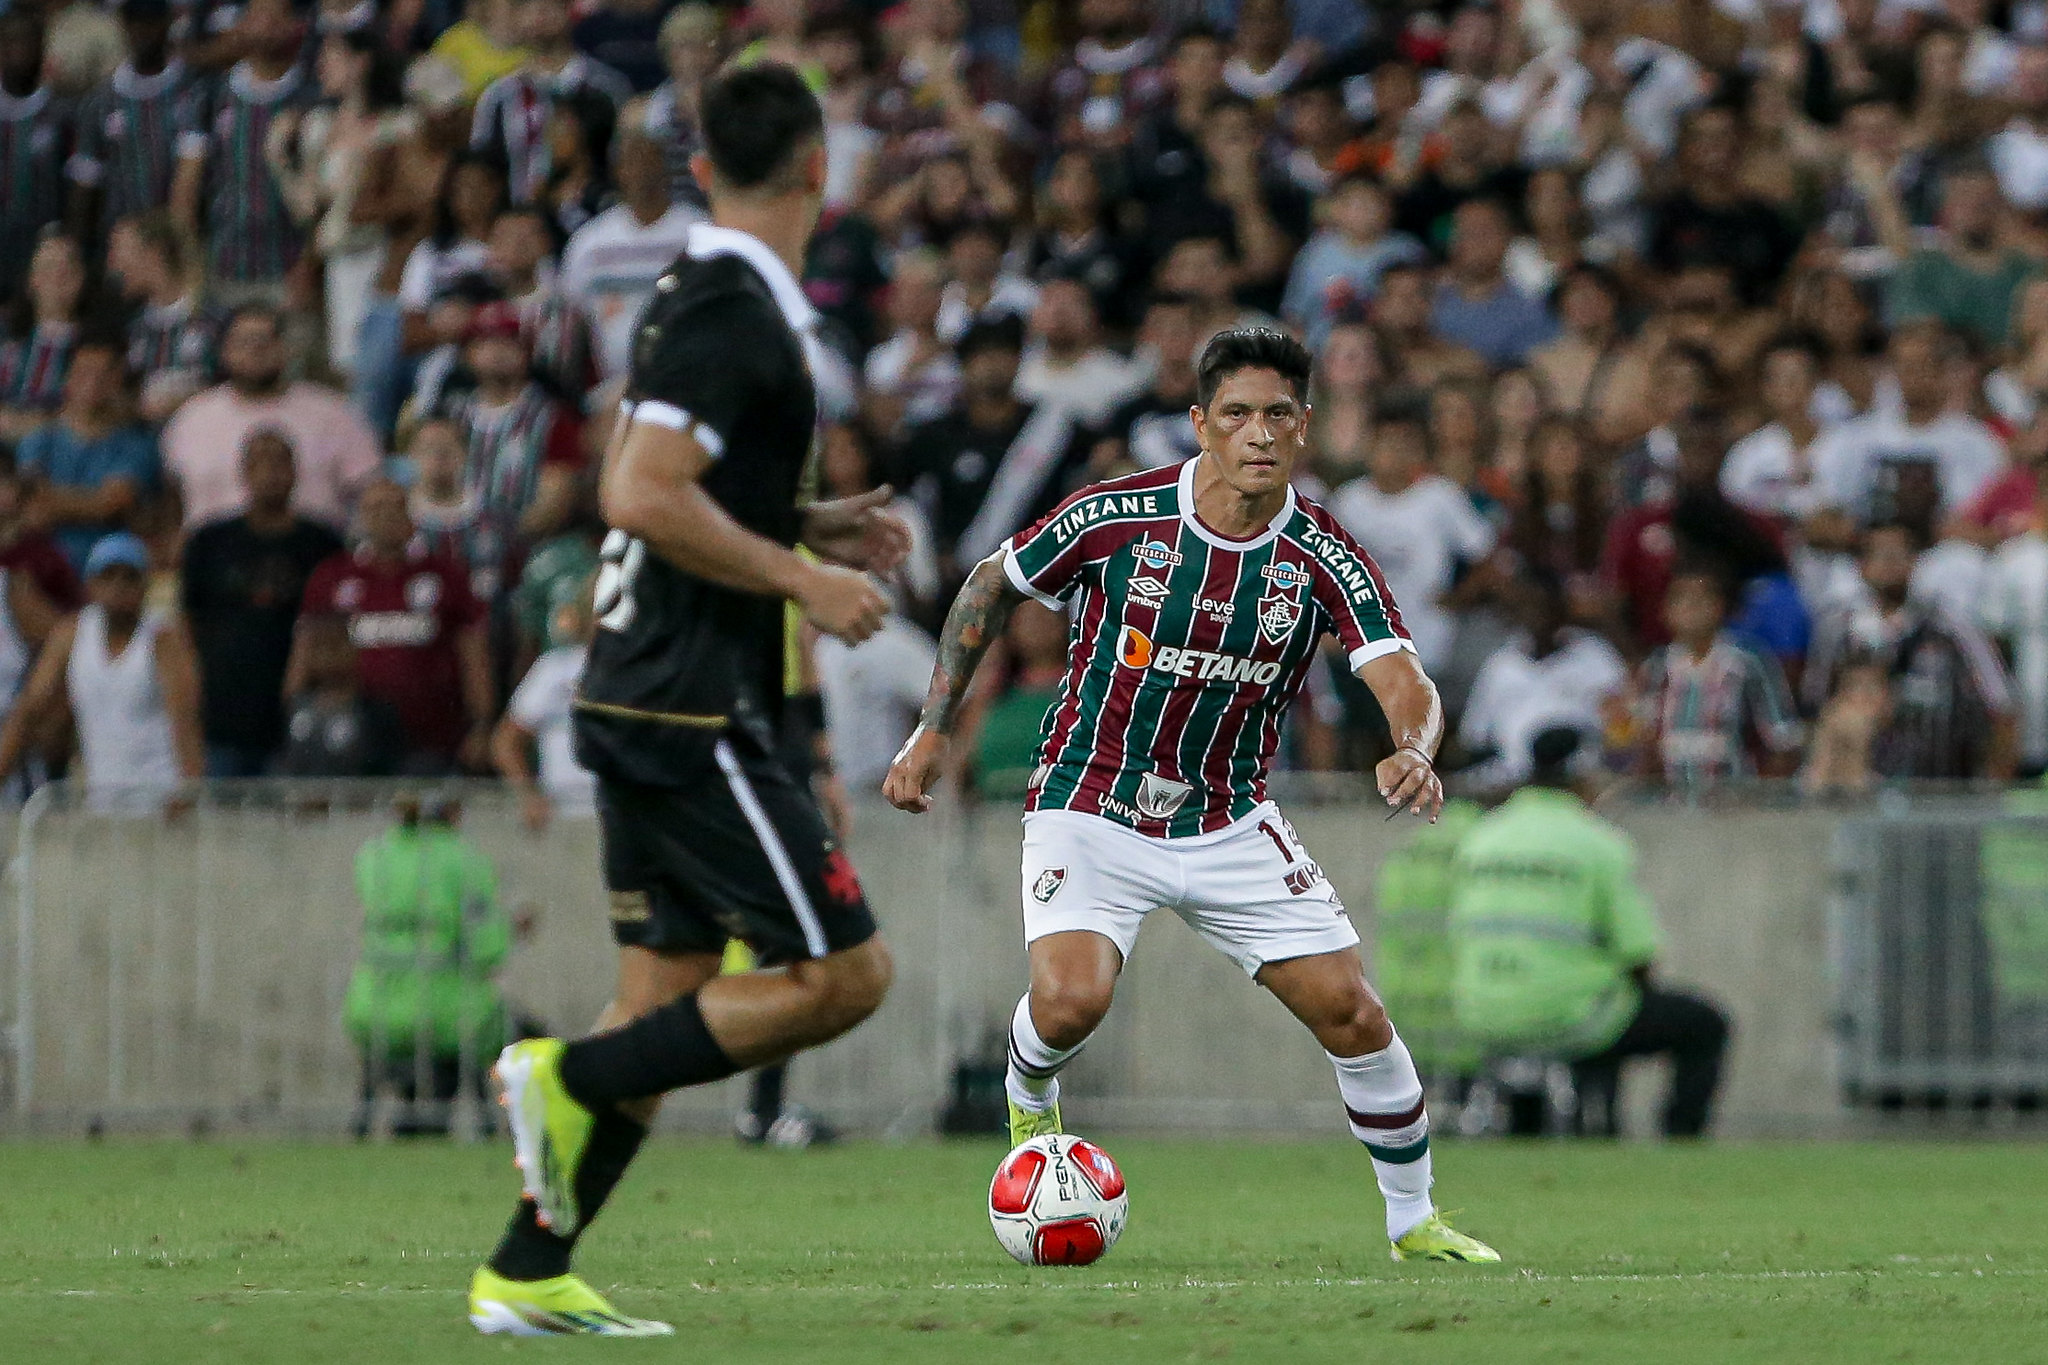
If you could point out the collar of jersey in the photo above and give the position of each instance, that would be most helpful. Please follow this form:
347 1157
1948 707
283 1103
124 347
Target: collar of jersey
134 87
708 239
1194 523
24 106
242 80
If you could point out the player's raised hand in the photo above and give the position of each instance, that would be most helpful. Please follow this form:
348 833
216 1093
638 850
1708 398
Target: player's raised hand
1408 781
917 763
843 603
859 532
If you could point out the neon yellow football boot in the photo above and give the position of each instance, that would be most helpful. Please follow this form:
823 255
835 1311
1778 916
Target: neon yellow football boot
1435 1240
1025 1125
561 1307
549 1130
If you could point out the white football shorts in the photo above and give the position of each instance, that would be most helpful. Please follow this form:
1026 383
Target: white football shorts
1250 889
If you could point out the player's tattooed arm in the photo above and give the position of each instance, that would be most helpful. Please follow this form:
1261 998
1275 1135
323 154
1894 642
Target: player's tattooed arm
978 615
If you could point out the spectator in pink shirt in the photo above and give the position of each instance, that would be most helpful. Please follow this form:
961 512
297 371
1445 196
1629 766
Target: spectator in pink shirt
337 454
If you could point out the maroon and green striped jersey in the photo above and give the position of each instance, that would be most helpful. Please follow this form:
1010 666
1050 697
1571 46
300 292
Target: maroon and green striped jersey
1186 646
251 235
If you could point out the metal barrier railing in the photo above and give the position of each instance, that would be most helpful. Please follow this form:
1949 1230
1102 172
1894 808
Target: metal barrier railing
191 972
1940 936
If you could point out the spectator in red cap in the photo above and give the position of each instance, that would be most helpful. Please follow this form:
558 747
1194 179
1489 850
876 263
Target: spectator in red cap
525 447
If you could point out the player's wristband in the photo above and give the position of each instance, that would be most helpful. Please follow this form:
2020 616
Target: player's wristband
1416 749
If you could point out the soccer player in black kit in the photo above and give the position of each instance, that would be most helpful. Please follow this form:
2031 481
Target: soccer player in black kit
706 836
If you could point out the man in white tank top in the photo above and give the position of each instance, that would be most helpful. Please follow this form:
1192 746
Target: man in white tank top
131 681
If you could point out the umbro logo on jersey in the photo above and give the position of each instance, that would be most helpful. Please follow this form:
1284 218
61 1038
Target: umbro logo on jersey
1156 554
1277 616
1048 884
1146 591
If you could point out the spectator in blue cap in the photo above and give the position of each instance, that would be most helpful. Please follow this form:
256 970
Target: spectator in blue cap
129 676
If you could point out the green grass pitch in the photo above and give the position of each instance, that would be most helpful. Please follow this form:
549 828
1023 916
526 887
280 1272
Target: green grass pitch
1245 1251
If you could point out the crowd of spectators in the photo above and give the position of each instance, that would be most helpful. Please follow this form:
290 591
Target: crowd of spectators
1682 362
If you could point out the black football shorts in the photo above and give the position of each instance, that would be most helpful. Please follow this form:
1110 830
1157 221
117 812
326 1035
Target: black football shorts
732 848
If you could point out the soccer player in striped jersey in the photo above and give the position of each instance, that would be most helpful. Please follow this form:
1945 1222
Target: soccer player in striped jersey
1198 594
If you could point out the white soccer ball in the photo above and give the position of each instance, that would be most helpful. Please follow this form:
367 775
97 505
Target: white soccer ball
1058 1200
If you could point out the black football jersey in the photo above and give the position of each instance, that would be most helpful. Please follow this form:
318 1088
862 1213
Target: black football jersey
720 352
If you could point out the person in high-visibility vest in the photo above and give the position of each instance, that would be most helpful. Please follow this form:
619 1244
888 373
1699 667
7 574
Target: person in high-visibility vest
423 1006
1412 942
1552 943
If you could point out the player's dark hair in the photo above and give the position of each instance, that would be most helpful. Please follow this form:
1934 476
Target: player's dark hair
1198 32
1252 348
757 121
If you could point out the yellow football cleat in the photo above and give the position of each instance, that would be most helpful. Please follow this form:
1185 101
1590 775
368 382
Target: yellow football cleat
1026 1125
1435 1240
561 1307
549 1130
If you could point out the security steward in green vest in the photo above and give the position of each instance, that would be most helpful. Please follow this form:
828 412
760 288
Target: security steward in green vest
423 1006
1552 943
1412 943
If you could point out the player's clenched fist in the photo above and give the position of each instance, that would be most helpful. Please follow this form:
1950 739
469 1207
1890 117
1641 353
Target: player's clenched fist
1408 779
910 776
843 603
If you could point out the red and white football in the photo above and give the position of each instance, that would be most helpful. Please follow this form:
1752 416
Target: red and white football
1058 1200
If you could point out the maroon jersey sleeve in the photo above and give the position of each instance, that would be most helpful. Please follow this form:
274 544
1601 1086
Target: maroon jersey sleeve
1044 561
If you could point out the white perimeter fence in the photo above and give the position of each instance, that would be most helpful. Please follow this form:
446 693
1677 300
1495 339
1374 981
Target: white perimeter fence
189 975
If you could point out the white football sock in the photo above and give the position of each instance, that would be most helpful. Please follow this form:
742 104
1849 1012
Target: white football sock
1383 1097
1033 1077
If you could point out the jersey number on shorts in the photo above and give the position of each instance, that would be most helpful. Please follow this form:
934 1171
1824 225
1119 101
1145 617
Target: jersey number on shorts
619 565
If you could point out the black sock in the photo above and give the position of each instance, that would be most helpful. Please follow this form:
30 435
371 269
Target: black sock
767 1101
661 1051
529 1251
